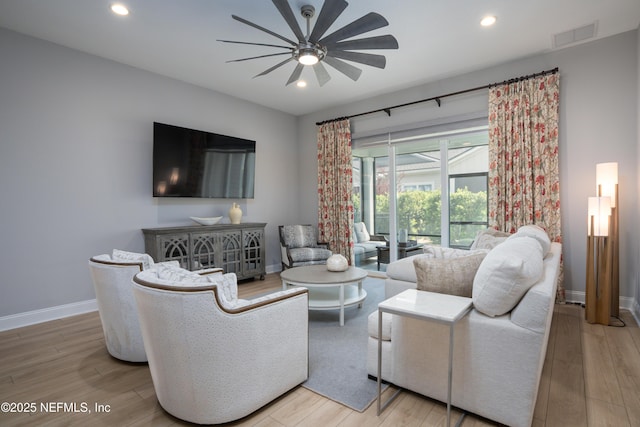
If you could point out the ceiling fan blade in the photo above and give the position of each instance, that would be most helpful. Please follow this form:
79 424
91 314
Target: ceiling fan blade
321 73
369 22
274 67
287 14
377 42
330 11
296 74
256 26
347 69
258 57
378 61
255 44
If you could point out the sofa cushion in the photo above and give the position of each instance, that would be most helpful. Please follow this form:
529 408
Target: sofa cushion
369 246
299 236
452 276
403 269
309 254
361 233
434 251
537 233
506 274
489 239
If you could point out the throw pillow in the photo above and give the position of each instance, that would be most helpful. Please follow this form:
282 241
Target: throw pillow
124 256
489 239
452 276
506 274
537 233
227 285
179 276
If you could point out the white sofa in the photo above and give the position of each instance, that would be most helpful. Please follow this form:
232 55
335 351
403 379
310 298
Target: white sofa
215 358
497 360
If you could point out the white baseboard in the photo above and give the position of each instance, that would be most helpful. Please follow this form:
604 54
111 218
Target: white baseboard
46 314
53 313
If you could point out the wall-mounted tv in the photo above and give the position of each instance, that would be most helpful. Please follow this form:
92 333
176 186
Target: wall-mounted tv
194 163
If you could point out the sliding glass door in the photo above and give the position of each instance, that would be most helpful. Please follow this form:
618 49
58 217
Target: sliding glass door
405 190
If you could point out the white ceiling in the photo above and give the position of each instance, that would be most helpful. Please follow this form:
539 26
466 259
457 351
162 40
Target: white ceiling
437 38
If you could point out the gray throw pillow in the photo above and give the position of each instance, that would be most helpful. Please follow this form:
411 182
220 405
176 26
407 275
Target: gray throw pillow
452 276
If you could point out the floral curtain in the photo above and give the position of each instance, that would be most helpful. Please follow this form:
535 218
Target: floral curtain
335 208
524 184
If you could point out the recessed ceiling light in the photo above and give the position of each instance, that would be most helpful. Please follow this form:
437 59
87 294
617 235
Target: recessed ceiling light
301 83
119 9
488 21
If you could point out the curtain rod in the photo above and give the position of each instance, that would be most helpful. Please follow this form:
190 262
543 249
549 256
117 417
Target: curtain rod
437 99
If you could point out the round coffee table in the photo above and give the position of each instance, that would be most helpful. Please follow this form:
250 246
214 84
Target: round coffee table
328 290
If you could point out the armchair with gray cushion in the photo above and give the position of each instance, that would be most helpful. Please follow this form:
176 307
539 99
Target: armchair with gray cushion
215 358
299 245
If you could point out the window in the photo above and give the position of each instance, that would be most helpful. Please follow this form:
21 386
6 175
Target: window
436 202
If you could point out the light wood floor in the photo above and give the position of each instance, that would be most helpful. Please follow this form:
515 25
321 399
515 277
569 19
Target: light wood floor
591 377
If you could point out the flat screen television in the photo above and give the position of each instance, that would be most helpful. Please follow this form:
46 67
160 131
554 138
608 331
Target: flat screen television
194 163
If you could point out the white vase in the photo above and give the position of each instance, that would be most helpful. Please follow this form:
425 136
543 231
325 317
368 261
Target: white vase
235 214
337 262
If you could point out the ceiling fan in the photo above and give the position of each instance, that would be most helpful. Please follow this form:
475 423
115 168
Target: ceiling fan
315 49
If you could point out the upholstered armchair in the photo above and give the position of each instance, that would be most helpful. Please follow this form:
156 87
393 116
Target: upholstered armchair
111 275
215 358
299 245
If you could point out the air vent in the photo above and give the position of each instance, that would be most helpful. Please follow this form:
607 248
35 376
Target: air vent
574 36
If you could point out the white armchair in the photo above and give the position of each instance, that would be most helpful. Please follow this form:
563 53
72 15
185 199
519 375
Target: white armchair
214 358
111 277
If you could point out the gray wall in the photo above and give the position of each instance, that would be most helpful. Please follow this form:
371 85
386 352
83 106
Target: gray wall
75 165
76 140
637 194
598 123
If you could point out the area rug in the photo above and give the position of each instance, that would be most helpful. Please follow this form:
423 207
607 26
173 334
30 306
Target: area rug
338 354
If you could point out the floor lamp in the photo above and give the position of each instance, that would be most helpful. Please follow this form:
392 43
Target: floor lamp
607 186
598 289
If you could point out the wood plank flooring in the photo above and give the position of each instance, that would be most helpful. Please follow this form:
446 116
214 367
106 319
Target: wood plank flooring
591 377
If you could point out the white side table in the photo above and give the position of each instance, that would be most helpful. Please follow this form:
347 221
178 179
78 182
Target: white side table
429 306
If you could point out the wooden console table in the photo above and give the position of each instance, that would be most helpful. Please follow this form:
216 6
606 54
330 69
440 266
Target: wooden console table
236 248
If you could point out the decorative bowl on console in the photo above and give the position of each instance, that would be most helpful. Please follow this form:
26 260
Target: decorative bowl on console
206 221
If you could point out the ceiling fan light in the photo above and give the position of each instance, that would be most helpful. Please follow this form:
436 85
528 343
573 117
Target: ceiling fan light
119 9
488 21
308 58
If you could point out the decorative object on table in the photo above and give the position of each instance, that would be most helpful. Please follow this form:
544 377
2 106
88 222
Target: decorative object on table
206 221
403 235
602 287
337 262
235 213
